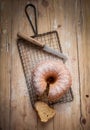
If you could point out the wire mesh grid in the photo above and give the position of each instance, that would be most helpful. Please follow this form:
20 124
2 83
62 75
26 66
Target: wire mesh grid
31 55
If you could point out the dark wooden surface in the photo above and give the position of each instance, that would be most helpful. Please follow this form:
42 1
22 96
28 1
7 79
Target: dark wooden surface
71 18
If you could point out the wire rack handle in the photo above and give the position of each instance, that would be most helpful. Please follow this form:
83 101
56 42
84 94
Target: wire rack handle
34 28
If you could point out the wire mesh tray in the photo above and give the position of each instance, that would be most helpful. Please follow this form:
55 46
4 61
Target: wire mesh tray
31 55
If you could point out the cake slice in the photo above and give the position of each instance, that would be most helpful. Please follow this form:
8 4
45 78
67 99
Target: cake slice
44 111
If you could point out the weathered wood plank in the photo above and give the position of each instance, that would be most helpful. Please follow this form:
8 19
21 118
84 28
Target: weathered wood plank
5 63
67 116
83 32
44 26
22 114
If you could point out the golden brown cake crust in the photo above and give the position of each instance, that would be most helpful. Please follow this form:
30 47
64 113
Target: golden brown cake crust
45 112
60 80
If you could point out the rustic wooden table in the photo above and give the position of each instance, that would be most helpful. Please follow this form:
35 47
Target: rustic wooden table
71 18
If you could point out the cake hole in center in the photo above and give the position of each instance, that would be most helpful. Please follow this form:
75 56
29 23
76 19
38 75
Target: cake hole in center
51 80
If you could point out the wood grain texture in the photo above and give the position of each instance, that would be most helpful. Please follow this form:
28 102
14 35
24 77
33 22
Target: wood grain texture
65 16
83 31
43 17
5 63
71 19
22 114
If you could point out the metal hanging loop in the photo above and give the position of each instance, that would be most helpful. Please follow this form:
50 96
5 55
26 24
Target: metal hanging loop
29 19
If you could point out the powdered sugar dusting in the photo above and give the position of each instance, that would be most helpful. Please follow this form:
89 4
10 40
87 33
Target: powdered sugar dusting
55 68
